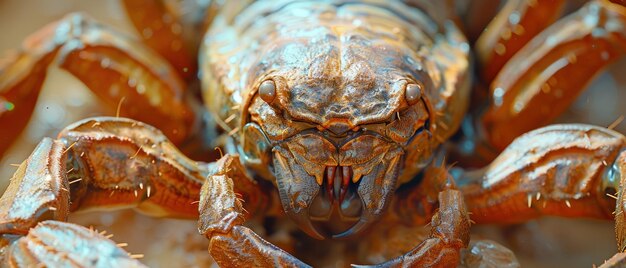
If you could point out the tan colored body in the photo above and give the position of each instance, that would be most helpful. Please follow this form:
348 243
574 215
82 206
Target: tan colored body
344 107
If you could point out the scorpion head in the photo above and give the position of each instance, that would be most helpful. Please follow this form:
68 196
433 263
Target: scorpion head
337 124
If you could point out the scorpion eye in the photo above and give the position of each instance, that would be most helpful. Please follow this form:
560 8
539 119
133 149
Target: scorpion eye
267 90
413 93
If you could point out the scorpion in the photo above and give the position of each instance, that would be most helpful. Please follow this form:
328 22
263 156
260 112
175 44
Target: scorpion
336 115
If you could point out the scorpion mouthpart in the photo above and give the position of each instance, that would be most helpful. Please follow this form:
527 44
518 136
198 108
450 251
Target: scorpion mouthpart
337 198
304 222
357 228
337 181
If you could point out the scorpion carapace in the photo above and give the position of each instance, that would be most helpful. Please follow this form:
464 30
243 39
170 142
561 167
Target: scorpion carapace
338 107
334 115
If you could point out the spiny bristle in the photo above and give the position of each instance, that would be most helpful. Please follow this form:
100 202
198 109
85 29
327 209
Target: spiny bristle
137 152
230 118
70 147
119 107
217 148
233 131
616 122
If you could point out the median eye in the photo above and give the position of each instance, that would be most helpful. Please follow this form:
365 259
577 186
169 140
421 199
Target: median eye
267 91
413 93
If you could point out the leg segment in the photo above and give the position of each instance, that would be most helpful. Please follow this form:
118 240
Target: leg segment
30 213
21 78
221 218
556 66
61 244
161 30
112 66
138 167
38 190
511 29
117 162
619 259
107 163
619 169
449 234
564 170
487 253
101 164
437 201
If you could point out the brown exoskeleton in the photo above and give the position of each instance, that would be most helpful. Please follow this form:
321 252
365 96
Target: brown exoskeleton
334 114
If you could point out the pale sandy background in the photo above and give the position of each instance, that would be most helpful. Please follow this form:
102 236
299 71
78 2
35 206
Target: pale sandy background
166 243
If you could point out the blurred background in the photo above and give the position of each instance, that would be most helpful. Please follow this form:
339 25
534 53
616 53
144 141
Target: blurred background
547 242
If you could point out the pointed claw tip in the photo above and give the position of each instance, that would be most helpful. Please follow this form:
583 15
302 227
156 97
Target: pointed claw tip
353 230
315 234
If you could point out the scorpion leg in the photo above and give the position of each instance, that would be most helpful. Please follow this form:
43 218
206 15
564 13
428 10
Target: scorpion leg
619 259
415 206
564 170
115 68
62 244
221 220
108 163
160 28
449 234
487 253
512 28
557 65
449 223
619 169
118 162
146 155
31 211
